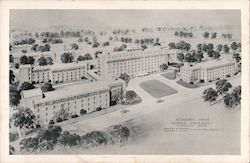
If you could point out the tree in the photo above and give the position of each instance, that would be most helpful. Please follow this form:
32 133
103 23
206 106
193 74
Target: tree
198 56
50 134
34 47
24 51
163 67
74 46
106 43
219 47
29 144
118 134
10 47
223 86
67 139
130 95
237 57
26 86
116 97
67 57
206 35
49 61
11 150
62 113
11 77
234 46
51 122
24 59
31 60
236 93
93 139
199 46
216 55
14 96
80 58
214 35
226 48
180 56
42 61
24 118
229 100
47 47
210 95
27 60
87 56
47 87
125 77
80 39
11 58
83 112
17 66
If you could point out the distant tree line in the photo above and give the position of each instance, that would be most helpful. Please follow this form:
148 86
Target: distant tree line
182 45
28 41
183 34
41 48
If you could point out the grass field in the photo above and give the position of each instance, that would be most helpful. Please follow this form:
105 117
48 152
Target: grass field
157 89
169 75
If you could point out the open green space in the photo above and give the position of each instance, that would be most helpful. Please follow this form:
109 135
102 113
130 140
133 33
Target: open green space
157 89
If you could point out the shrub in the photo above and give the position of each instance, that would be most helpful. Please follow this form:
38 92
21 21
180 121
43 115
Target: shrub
112 103
51 122
13 136
98 108
74 116
82 111
17 66
38 126
29 144
118 134
93 139
59 119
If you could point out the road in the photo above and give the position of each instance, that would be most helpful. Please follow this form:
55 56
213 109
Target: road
147 106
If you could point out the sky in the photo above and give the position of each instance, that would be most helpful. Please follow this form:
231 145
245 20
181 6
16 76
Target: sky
40 18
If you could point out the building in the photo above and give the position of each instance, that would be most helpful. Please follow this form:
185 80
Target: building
60 73
72 98
209 71
132 62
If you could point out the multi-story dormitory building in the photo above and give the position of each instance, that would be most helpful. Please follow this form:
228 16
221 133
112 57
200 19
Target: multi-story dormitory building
60 73
72 98
133 62
208 71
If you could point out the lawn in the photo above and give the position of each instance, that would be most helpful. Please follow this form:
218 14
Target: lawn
169 75
157 89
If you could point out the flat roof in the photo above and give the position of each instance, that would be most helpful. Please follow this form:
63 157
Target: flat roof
56 66
77 89
31 93
210 63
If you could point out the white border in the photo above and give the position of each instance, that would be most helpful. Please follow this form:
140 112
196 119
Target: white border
4 79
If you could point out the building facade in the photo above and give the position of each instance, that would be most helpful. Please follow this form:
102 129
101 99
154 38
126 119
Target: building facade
132 62
208 72
53 73
71 98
